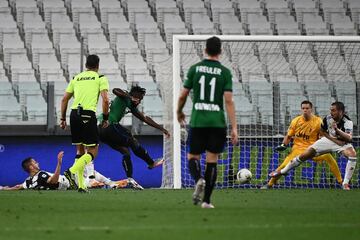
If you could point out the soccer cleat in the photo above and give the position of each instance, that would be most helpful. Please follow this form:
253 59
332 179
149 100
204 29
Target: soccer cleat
264 187
275 174
156 163
133 184
207 205
199 191
346 187
71 178
81 190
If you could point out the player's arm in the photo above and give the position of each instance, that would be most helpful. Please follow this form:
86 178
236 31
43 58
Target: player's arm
148 120
105 107
230 109
55 178
64 104
124 94
16 187
181 103
345 136
335 140
284 144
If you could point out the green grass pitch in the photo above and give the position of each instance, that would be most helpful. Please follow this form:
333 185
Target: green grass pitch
169 214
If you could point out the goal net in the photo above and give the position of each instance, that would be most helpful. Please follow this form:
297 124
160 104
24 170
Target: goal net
272 75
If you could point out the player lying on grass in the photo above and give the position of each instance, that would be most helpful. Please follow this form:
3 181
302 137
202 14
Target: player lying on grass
337 129
304 130
42 180
120 139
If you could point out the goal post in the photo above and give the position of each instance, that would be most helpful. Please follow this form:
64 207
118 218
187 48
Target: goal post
272 75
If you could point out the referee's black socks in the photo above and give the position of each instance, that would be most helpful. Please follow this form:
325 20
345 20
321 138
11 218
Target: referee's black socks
195 169
210 179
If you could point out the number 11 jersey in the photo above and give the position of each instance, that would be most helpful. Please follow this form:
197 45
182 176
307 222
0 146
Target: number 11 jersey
208 79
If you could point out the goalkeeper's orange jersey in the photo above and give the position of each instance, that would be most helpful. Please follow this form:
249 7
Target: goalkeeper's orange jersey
304 132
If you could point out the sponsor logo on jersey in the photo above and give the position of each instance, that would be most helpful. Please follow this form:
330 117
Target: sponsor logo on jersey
207 107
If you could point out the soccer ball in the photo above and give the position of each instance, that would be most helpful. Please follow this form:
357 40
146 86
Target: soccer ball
244 176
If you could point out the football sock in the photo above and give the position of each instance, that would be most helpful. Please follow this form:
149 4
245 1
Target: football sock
89 170
195 169
292 164
143 154
127 164
101 178
210 180
79 166
349 170
334 168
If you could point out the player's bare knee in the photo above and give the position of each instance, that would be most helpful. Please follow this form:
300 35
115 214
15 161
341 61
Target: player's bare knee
193 156
211 157
349 153
309 153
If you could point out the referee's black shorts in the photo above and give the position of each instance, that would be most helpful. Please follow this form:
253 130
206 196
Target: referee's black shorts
84 128
207 139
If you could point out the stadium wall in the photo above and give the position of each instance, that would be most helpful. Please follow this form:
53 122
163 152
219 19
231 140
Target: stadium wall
45 149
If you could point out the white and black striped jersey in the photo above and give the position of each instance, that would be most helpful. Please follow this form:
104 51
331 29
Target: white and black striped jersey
39 182
345 125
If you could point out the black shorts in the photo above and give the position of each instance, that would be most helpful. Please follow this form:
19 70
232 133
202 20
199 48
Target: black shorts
207 139
115 135
84 128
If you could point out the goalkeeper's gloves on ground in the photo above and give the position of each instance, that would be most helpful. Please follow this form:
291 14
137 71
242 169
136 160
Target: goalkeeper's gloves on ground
281 148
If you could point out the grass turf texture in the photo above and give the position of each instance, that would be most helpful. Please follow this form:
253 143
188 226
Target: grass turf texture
169 214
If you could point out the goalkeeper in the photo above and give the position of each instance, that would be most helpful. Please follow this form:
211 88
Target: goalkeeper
304 130
120 139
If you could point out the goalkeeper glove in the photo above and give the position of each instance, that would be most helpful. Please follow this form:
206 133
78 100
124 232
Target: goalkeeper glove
281 147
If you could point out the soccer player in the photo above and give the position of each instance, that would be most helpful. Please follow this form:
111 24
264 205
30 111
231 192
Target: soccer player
120 139
85 88
42 180
304 130
337 129
211 83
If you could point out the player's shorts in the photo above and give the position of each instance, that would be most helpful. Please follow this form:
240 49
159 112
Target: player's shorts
325 145
115 135
207 139
83 128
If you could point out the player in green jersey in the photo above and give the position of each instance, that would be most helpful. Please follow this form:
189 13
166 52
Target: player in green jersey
85 88
120 139
211 82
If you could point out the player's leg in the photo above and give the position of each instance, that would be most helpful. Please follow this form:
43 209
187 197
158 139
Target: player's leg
350 153
215 141
331 162
128 167
76 139
125 138
90 139
197 147
292 154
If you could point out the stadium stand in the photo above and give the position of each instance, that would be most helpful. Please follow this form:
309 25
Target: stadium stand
41 41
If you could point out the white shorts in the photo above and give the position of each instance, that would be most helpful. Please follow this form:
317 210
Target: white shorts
63 183
325 145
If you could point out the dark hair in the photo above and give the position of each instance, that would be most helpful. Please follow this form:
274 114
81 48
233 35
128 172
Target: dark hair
307 102
25 163
339 106
137 89
213 46
92 61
